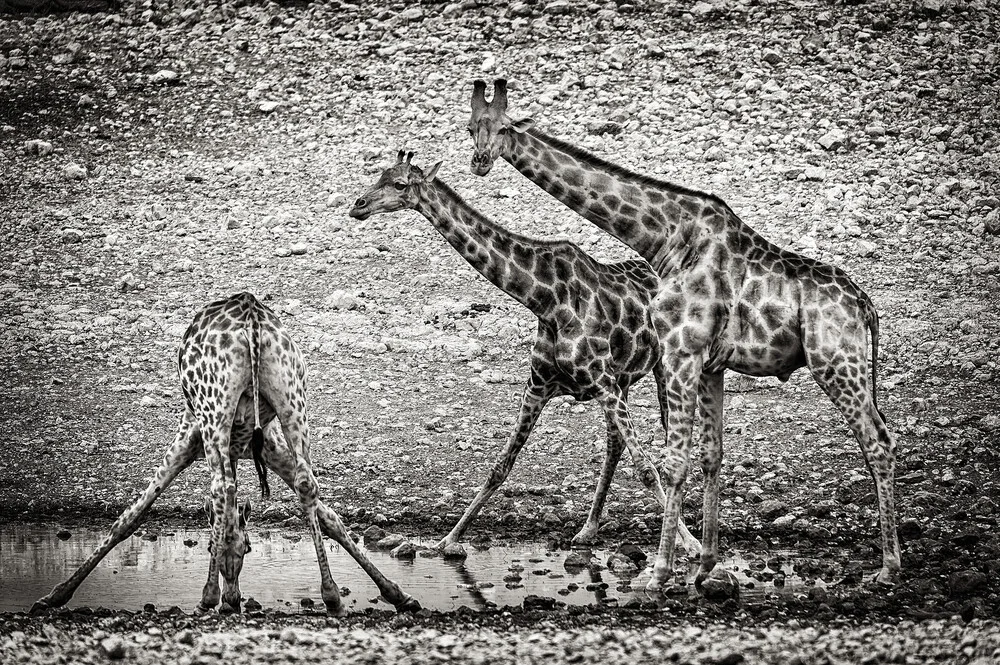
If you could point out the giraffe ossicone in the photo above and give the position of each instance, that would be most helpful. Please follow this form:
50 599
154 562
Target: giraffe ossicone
727 298
594 340
237 357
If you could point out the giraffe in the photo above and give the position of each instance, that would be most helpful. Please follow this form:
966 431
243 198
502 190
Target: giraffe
244 384
727 298
594 338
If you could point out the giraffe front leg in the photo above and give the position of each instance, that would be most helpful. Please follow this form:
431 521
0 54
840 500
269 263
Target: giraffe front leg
615 445
178 456
678 415
533 400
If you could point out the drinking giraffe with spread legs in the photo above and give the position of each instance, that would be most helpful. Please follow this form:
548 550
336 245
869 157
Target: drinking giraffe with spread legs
244 384
727 299
594 338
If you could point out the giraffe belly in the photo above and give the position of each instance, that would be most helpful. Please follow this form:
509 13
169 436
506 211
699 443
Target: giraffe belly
761 360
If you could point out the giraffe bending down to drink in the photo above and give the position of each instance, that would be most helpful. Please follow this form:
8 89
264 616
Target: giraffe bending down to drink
594 338
240 372
727 299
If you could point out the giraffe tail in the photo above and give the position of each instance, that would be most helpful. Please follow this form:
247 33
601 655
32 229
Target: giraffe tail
872 319
257 440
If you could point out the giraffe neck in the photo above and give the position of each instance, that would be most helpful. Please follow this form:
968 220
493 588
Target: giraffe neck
656 218
508 260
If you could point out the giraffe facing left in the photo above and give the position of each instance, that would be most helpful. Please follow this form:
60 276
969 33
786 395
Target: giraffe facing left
244 385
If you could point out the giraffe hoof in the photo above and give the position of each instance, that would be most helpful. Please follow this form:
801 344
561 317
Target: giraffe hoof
39 607
336 610
585 537
408 604
887 576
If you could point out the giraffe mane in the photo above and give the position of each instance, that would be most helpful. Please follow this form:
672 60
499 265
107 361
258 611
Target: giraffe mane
450 194
622 172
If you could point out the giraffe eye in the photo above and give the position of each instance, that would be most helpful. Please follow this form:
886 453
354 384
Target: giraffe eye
471 133
502 130
400 186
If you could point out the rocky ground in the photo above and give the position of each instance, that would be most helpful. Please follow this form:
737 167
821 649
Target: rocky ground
154 159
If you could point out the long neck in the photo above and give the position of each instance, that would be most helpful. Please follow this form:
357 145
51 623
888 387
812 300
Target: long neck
653 217
506 259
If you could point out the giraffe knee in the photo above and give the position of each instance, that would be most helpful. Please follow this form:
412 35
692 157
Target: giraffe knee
711 463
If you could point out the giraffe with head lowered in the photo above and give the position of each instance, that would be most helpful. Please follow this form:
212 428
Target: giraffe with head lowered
244 385
727 298
594 339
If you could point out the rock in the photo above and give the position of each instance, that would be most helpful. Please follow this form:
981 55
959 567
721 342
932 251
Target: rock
814 173
343 300
720 585
520 9
390 542
865 248
74 171
533 602
71 236
404 551
336 199
127 282
454 551
412 14
992 222
791 172
374 534
113 647
37 147
633 552
268 107
967 583
784 521
772 508
622 566
771 57
602 127
576 560
558 7
833 139
298 248
165 77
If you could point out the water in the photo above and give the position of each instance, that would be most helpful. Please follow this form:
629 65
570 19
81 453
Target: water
281 570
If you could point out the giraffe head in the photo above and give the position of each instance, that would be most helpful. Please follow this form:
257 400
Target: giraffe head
397 188
490 126
234 544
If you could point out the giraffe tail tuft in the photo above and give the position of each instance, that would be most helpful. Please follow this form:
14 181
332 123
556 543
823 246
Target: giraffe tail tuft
257 449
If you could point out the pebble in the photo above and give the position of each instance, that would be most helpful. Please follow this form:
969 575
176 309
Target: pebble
454 551
113 647
164 77
833 140
74 171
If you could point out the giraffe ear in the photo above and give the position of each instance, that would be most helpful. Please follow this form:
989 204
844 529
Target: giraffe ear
432 172
522 125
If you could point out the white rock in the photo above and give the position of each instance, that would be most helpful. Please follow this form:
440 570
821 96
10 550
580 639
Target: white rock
164 76
74 171
267 107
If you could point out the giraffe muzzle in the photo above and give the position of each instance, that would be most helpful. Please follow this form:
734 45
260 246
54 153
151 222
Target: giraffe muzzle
481 163
359 210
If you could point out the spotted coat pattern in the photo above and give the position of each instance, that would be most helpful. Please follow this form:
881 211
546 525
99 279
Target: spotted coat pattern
727 299
226 344
594 338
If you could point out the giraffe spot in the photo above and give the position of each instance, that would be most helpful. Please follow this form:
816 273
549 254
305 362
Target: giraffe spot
654 197
599 211
629 210
611 201
573 177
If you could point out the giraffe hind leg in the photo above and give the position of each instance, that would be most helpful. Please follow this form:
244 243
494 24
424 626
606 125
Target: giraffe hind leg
855 402
178 456
279 459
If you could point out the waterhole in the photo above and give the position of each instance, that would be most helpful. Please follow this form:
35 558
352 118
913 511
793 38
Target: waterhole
281 570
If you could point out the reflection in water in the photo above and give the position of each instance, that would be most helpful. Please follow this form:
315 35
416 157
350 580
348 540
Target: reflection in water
282 570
